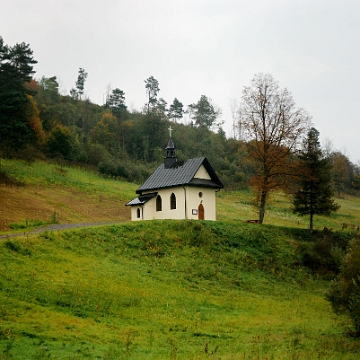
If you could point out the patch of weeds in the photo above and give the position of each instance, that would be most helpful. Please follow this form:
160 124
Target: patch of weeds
26 224
296 339
5 334
16 247
112 353
8 180
13 245
208 351
129 338
60 170
173 348
53 219
7 351
43 352
47 235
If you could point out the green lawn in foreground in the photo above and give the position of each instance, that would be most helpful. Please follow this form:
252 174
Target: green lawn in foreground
166 290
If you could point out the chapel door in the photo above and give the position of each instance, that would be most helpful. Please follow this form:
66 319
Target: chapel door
201 212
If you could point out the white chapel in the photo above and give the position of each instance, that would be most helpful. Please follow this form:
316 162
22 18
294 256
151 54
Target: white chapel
177 190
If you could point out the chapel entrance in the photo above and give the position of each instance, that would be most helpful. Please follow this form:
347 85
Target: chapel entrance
201 212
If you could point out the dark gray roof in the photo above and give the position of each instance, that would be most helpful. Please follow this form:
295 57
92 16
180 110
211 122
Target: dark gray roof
181 173
142 199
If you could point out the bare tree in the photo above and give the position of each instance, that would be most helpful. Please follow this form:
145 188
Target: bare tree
236 125
273 127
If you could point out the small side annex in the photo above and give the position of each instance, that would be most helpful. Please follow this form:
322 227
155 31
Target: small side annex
177 190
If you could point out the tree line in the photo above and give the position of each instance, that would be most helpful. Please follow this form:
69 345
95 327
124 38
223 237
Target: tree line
37 121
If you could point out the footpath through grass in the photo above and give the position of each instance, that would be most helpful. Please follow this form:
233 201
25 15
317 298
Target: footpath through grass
166 290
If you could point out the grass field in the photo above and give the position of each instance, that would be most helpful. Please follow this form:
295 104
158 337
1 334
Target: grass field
163 289
69 194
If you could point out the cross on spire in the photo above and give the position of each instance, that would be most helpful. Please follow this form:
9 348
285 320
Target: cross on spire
170 130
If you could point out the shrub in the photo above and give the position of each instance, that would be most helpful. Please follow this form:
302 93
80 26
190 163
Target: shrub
112 167
96 153
325 254
344 292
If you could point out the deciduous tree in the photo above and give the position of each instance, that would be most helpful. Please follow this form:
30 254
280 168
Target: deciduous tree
49 90
34 120
341 169
105 132
62 143
315 193
272 126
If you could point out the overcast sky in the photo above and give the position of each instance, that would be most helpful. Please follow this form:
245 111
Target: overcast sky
202 47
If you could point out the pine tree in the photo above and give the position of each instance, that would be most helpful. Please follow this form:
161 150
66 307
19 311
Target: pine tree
315 193
176 110
204 113
16 69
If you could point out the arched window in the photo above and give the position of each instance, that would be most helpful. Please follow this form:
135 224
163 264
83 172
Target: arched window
172 201
158 203
138 213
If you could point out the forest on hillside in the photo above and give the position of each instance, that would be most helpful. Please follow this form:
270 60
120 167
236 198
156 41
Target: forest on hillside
37 122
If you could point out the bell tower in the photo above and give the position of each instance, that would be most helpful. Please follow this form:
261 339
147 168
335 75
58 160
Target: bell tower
170 158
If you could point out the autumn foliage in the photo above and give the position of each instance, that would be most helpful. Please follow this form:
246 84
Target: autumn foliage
273 127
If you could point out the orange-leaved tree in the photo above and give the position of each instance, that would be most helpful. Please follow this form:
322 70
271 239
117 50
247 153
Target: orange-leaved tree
273 127
34 120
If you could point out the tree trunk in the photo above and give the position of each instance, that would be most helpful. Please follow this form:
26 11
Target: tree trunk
262 207
311 221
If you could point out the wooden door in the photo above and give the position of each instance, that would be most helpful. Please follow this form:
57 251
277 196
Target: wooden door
201 212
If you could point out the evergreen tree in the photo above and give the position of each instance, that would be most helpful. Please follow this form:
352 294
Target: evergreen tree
16 68
77 93
315 193
152 90
204 112
116 102
176 110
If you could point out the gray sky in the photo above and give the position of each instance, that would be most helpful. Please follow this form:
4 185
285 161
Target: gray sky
202 47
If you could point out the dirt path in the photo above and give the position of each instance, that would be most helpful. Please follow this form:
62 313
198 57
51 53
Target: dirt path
53 227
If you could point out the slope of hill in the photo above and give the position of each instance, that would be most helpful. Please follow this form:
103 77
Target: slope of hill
41 193
161 289
165 290
44 193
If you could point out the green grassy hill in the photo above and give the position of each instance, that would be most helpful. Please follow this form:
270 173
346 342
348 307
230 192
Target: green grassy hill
40 193
168 289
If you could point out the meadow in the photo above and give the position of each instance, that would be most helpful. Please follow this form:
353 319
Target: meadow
165 289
